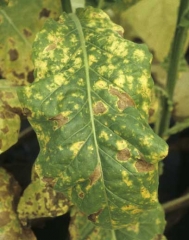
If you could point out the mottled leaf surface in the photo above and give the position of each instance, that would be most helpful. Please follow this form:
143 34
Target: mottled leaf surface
89 107
10 111
39 201
19 22
149 227
10 228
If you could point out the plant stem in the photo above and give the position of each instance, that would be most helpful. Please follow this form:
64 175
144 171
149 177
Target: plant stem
172 75
176 204
100 4
66 6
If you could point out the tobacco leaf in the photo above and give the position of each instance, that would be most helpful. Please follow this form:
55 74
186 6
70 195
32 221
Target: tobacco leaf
149 227
10 111
19 22
40 201
89 107
10 227
144 20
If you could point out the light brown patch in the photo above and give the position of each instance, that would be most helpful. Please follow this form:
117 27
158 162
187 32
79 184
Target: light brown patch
27 112
60 119
13 54
95 175
124 99
99 108
4 218
158 237
51 47
93 217
27 33
9 95
123 155
50 182
19 75
81 195
143 166
5 130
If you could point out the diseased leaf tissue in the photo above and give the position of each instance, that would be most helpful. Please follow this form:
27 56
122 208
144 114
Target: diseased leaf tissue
89 107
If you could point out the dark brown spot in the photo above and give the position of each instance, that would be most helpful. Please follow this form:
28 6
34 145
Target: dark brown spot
30 76
81 195
13 54
19 75
51 47
151 112
95 175
124 99
60 120
50 182
123 155
27 32
29 203
1 144
27 112
44 13
93 217
143 166
37 196
99 108
5 130
4 218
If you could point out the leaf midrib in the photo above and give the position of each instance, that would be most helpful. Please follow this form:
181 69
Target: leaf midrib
85 56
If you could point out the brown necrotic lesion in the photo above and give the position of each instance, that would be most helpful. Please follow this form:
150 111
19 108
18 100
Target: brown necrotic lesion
124 100
99 108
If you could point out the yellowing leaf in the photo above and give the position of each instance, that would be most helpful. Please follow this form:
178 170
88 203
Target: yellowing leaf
39 201
10 228
89 107
10 109
19 22
154 21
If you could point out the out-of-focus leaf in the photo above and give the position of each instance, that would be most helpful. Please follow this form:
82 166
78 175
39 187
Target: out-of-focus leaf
149 227
39 201
10 109
19 22
122 4
154 21
10 228
89 107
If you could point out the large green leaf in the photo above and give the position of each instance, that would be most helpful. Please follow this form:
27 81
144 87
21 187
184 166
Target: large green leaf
89 107
19 22
149 227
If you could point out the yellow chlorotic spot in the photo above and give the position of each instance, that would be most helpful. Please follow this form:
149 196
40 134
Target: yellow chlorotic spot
66 113
76 147
38 96
60 98
111 67
126 179
139 54
76 106
104 135
145 193
90 148
60 147
78 61
133 227
92 59
121 144
80 82
129 79
120 81
101 84
102 70
146 140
